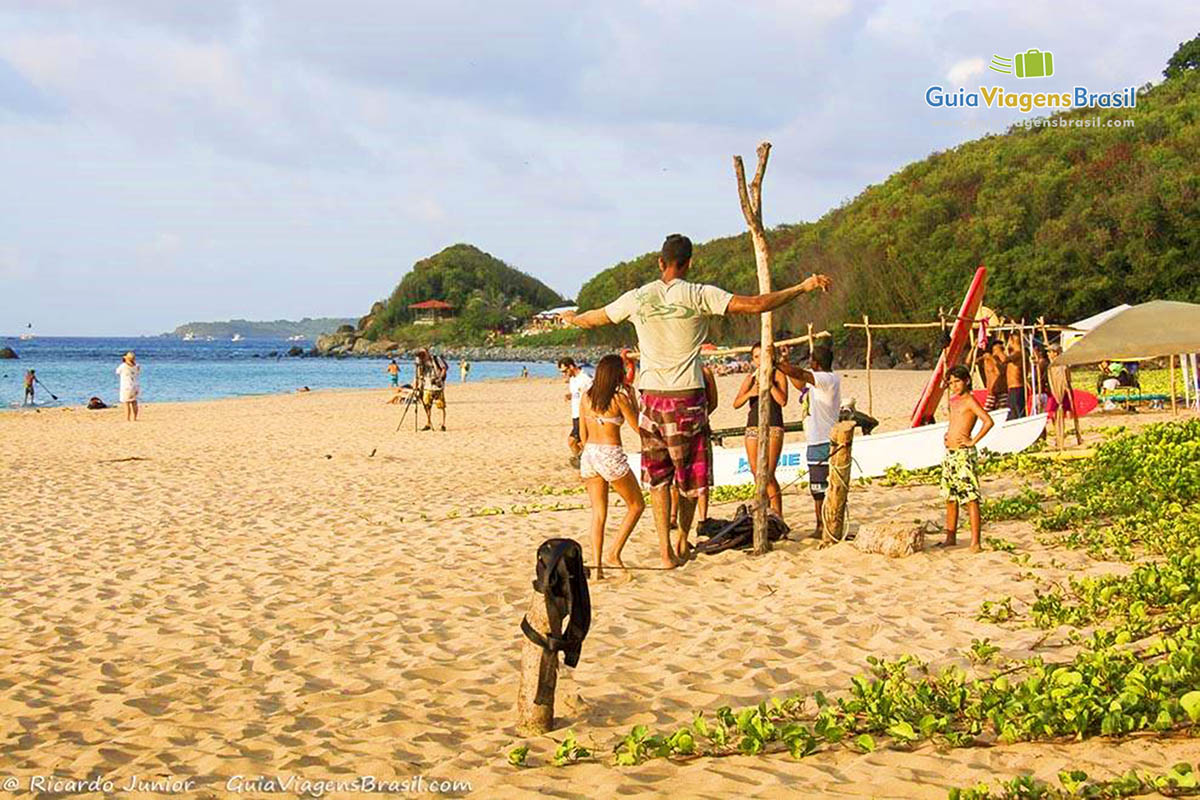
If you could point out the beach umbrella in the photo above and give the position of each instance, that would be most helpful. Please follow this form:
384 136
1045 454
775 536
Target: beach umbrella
1149 330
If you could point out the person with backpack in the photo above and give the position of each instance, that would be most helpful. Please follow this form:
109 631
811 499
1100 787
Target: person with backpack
431 382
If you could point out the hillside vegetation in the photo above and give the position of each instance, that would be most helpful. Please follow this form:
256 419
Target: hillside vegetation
273 329
1069 221
486 293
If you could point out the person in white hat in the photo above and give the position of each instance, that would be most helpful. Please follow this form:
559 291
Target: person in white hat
129 372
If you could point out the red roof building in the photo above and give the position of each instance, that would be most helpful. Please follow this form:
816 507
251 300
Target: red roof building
430 312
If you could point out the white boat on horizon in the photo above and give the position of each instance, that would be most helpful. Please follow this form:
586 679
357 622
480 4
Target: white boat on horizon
872 456
189 337
299 337
237 337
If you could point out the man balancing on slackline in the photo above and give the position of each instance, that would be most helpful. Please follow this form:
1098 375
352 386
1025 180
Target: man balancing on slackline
671 319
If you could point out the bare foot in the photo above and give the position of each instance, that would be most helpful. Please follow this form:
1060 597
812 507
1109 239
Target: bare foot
951 541
976 548
668 562
614 561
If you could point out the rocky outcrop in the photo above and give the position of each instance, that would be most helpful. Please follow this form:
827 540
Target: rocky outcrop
8 352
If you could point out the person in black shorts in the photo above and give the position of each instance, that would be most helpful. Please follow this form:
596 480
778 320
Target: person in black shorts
777 399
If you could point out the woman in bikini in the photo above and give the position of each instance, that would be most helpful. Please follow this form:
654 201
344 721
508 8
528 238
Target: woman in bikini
778 398
602 462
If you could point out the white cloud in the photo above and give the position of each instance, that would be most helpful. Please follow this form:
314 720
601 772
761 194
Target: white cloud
965 70
308 153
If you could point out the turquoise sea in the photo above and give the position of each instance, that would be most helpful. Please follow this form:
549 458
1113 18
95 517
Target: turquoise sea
76 369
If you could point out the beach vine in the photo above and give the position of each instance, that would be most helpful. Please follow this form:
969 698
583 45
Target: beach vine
1136 670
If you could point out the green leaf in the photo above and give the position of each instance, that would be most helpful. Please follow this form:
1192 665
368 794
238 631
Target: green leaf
516 756
1191 704
865 742
903 731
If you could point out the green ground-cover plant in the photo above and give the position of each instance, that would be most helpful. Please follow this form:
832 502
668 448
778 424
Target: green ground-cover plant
1179 781
1136 665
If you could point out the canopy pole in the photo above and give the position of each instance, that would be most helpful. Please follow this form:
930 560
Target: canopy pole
870 395
1174 402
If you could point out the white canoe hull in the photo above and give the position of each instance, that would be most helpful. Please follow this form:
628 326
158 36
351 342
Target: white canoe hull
912 448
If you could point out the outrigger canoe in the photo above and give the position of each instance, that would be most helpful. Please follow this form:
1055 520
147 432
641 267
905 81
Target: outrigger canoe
911 448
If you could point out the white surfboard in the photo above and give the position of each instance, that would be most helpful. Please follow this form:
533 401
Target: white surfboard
911 448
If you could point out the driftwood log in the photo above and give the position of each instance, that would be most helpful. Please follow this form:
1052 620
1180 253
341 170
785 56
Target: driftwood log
751 201
539 670
834 512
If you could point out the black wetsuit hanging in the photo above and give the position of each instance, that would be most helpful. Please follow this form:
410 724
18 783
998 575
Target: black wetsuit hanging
562 580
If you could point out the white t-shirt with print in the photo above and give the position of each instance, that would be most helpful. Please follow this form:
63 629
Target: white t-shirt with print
672 322
578 383
824 405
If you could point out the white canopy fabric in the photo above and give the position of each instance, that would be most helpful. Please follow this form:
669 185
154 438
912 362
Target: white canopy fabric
1095 319
1149 330
1069 338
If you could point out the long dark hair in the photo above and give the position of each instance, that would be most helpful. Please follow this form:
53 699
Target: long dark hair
610 374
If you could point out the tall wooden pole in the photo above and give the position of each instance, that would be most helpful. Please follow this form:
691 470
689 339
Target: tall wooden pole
751 201
870 395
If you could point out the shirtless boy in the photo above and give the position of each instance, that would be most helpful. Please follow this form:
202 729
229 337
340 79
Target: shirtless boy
960 481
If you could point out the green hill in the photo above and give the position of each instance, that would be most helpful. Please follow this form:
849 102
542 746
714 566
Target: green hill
274 329
486 293
1069 222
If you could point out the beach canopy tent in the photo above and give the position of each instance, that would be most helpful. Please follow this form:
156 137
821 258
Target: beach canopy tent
1149 330
1084 325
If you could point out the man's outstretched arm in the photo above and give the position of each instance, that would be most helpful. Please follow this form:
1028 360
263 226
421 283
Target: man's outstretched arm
595 318
762 303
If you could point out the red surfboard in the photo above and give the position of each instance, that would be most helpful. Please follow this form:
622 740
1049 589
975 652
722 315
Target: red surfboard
960 337
1084 402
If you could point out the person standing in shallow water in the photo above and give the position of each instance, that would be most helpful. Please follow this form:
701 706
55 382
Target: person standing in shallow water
671 318
30 377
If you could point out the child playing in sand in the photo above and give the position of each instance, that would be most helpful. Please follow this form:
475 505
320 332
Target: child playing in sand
960 483
602 462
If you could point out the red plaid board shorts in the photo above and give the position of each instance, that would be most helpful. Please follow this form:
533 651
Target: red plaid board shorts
675 442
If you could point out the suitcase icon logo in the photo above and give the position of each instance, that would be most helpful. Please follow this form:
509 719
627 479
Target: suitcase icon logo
1033 63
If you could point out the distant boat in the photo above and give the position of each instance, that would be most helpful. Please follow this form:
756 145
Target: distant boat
208 338
189 337
25 337
237 337
299 337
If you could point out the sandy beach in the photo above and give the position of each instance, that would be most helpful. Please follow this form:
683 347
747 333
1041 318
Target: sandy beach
285 585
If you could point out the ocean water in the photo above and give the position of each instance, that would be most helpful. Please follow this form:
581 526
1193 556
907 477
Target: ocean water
173 370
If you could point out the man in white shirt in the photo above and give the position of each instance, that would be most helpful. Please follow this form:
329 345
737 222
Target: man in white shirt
671 318
578 382
824 406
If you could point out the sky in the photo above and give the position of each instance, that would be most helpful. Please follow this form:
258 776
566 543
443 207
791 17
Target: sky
165 162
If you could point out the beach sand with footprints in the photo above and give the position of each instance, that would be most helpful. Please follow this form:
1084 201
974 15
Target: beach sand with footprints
239 587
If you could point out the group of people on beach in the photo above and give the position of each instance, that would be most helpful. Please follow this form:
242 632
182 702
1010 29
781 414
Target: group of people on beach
129 387
671 408
666 394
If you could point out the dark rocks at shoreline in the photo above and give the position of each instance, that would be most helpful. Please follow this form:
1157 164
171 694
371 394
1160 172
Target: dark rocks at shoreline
8 353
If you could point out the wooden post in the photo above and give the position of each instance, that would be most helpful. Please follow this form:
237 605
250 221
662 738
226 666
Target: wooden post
870 395
751 201
1174 404
539 672
834 512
